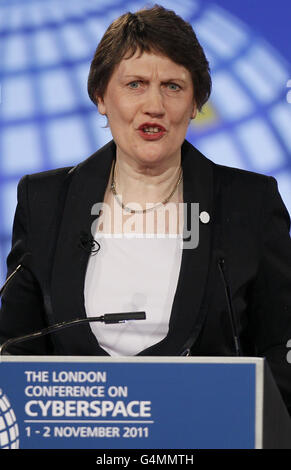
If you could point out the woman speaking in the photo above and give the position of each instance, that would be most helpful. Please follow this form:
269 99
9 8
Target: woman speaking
148 223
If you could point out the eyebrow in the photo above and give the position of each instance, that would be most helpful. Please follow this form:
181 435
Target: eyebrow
140 77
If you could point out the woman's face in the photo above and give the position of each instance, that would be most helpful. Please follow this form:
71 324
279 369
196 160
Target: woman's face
149 102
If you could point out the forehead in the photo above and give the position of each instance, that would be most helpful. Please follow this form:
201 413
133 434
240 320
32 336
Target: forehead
150 63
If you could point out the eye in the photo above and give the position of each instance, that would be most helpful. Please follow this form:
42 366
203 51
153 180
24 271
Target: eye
173 86
134 84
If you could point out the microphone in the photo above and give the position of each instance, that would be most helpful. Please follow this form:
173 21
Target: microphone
107 318
22 264
88 244
186 351
231 312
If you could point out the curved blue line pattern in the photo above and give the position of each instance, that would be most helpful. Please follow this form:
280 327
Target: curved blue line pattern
9 431
48 121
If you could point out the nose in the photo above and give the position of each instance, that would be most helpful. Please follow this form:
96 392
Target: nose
154 102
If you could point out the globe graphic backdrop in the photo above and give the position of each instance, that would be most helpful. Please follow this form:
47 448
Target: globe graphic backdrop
48 121
9 432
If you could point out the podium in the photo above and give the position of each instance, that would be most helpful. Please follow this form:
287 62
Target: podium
53 402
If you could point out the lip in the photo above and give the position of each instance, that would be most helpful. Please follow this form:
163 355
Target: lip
156 136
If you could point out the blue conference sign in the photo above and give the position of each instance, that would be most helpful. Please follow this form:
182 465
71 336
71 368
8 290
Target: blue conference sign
127 405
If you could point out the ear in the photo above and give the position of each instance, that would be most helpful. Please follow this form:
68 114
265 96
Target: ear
101 105
194 111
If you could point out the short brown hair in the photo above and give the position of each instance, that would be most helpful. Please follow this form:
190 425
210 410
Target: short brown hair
153 29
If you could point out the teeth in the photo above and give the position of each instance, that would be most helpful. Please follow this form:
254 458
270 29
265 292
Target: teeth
151 129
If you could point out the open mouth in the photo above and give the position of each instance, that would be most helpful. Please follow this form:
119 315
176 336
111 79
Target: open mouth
151 131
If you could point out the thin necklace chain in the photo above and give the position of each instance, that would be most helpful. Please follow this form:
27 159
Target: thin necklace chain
142 211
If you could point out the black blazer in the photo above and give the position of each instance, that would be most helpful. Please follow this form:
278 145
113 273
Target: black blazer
249 227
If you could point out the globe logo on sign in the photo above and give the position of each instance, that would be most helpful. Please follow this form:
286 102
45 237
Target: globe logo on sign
9 432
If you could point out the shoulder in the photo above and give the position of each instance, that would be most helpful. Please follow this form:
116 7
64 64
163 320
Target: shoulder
223 174
47 178
245 186
231 175
239 193
234 182
254 196
50 182
42 189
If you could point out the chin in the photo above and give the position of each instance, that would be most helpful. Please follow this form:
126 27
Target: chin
153 154
151 160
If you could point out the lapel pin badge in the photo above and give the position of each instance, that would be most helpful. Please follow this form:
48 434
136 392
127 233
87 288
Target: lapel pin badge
204 217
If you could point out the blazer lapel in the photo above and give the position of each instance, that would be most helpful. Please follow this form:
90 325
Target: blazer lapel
88 185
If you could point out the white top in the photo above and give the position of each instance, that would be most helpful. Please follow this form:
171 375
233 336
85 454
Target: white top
133 273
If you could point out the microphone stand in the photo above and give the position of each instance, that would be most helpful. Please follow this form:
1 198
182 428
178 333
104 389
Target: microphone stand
231 312
20 266
107 318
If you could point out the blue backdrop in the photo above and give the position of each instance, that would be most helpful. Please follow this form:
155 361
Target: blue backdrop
48 121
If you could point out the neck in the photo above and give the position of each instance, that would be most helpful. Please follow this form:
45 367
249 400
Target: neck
144 183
